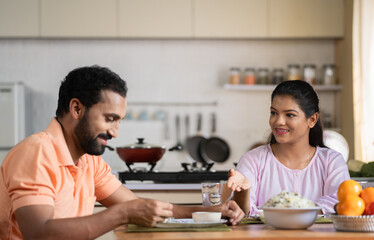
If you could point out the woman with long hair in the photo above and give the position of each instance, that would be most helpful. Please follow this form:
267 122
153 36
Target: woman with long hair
295 158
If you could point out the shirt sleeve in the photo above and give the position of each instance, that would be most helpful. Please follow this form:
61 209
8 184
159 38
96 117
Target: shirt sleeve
29 176
247 166
105 182
337 172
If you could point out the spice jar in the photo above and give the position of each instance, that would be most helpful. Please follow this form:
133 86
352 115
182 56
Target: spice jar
263 76
329 75
278 75
294 72
250 77
310 73
234 75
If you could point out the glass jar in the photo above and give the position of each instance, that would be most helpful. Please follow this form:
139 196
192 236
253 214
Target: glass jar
329 74
310 73
278 76
234 75
250 77
294 72
263 76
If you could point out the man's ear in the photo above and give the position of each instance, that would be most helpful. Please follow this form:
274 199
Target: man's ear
312 120
76 108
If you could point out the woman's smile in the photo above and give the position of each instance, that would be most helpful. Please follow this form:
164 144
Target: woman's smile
281 131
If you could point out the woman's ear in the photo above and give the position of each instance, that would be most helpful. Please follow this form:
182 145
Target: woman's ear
312 120
76 108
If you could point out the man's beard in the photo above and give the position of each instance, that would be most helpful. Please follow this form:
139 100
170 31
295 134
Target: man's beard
88 142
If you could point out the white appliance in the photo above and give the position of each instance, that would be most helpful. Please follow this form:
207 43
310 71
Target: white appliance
12 116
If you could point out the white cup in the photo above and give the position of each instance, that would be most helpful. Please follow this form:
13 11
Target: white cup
206 216
211 194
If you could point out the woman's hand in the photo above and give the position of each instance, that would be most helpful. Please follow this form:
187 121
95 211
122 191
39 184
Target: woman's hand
237 182
232 211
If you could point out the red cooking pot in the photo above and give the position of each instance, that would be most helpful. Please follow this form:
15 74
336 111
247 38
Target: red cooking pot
141 152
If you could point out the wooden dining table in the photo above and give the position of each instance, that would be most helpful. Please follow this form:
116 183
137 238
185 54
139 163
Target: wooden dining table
250 231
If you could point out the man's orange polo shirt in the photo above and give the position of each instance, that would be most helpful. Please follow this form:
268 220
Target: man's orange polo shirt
40 170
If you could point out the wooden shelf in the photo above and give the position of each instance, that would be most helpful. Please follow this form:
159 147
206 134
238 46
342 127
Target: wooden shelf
243 87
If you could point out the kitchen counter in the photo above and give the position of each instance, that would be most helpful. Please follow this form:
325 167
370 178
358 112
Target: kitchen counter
254 231
163 186
183 193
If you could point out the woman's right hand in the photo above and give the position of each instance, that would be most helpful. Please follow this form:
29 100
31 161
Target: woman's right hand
237 182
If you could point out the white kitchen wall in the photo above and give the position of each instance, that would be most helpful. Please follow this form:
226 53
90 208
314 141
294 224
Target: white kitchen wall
167 71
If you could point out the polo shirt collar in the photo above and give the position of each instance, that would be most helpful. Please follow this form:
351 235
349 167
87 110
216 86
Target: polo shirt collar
56 134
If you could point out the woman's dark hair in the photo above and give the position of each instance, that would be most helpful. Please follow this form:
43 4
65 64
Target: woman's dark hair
307 99
86 84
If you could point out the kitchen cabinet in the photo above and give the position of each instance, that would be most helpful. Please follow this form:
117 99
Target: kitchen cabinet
222 19
305 18
155 18
230 19
78 18
19 18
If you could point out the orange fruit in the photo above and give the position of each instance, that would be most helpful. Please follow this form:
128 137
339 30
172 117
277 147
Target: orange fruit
369 209
367 195
349 187
351 205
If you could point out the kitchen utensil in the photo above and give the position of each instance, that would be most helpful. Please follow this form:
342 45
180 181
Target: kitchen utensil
178 146
214 149
140 152
206 216
187 166
163 116
193 143
290 218
363 223
211 193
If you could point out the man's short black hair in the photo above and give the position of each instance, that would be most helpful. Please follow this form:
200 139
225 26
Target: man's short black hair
86 84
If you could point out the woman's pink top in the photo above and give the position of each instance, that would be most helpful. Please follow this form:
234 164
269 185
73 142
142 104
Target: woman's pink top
319 181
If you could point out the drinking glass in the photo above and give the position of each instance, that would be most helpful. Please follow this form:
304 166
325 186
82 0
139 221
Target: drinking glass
211 193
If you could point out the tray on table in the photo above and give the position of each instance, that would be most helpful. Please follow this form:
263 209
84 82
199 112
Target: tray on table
364 223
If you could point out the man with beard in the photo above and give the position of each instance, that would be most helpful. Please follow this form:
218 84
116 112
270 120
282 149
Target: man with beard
51 180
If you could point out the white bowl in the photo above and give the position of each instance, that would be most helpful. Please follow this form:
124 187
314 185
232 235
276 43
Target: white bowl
206 216
290 218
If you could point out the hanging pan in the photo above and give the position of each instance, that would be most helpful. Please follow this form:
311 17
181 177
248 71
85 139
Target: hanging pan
214 148
193 143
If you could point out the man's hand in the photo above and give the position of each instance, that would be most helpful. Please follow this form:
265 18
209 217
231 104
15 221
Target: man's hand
237 182
231 210
147 212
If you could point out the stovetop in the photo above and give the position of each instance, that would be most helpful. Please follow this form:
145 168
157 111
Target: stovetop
174 177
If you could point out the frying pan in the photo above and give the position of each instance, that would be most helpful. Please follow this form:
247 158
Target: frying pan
214 148
193 143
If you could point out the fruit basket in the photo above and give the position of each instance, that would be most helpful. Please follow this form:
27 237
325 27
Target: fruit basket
364 223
